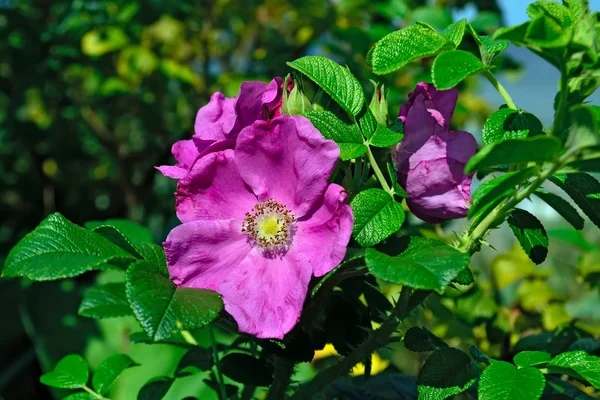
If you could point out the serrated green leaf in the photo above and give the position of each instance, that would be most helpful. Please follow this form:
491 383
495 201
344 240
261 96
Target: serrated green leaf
368 123
109 371
421 339
465 277
584 190
245 369
347 137
384 137
507 123
584 132
164 309
134 232
337 81
561 206
155 388
503 381
489 194
583 364
154 254
105 301
489 47
545 32
530 233
513 151
556 11
424 264
576 9
532 358
59 249
446 372
515 33
196 361
115 236
403 46
451 67
454 33
376 216
71 372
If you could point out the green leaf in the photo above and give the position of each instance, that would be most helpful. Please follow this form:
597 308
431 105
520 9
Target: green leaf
503 381
398 190
507 123
109 371
556 11
584 131
515 33
491 193
155 388
134 232
384 137
368 123
58 249
71 372
424 264
584 190
532 359
164 309
421 339
195 361
376 216
561 206
118 238
446 372
347 137
454 33
545 32
530 233
245 369
451 67
465 277
403 46
489 48
80 396
105 301
513 151
155 255
337 81
583 364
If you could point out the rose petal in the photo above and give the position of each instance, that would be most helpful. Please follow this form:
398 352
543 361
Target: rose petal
216 118
213 189
265 295
328 229
286 159
202 254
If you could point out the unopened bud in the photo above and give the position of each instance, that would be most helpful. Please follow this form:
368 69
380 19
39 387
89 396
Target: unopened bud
379 106
294 101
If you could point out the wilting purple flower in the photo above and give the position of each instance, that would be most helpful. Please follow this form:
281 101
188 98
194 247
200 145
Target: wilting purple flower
259 221
219 122
431 158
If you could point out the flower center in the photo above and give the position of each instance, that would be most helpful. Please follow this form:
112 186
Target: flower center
269 224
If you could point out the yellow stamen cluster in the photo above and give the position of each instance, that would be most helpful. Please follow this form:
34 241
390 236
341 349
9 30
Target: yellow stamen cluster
269 225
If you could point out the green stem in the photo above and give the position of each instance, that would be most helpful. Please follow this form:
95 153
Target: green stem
215 351
94 394
509 102
561 107
283 375
378 338
378 172
480 230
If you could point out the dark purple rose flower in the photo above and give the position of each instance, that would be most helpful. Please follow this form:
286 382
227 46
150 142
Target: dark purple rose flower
431 158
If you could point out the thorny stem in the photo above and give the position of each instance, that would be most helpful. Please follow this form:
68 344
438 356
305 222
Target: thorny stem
509 102
378 338
215 351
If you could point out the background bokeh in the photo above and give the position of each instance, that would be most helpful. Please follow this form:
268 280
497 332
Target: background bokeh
93 94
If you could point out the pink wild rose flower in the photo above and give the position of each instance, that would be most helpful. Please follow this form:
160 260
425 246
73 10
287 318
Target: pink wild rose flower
219 122
259 221
431 158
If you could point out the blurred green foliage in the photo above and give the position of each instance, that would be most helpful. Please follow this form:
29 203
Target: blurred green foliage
93 94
